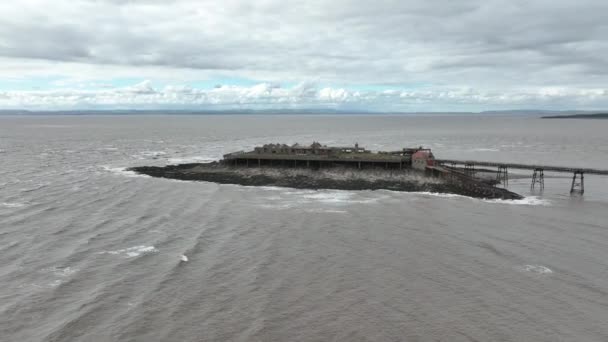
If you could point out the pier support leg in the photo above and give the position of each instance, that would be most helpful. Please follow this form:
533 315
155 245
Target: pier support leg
259 162
469 169
502 176
247 162
308 163
578 184
538 177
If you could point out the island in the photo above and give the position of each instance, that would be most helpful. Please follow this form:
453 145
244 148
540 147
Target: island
578 116
325 167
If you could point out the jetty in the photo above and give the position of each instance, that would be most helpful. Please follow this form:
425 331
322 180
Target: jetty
538 172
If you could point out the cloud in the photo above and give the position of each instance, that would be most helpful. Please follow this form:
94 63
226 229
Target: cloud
497 47
304 95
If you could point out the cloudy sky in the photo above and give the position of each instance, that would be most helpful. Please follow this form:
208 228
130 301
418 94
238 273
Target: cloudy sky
381 55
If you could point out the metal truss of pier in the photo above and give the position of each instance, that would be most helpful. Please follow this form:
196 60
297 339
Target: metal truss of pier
538 175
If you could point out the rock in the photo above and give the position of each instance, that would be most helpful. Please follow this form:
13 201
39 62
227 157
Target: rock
331 178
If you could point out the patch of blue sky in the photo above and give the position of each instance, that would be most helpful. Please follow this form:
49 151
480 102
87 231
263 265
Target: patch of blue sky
25 84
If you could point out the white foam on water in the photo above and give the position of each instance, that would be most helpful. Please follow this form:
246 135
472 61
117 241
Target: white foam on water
277 206
193 159
12 204
153 153
61 271
122 171
438 194
270 188
288 198
537 269
132 251
328 211
485 150
149 155
184 258
531 200
55 283
330 197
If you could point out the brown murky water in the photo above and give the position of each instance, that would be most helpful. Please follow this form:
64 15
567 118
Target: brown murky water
93 253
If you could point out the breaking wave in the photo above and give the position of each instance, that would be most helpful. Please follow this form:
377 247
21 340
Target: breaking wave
132 251
12 204
188 160
530 200
537 269
122 171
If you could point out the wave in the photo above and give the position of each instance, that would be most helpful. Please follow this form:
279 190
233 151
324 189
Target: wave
193 159
485 150
13 204
60 272
537 269
123 171
530 200
132 251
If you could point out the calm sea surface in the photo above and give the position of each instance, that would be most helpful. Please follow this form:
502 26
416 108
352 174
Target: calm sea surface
90 252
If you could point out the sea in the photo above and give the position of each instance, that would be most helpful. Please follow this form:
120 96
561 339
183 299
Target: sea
90 251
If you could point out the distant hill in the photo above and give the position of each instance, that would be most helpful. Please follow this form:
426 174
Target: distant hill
579 116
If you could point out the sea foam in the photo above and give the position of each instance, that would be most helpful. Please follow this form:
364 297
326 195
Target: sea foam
122 171
537 269
132 251
188 160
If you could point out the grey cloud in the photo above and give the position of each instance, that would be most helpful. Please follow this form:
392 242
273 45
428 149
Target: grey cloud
503 45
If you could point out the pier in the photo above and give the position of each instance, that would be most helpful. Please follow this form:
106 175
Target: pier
538 172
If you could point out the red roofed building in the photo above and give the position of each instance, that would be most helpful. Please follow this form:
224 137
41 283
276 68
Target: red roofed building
423 158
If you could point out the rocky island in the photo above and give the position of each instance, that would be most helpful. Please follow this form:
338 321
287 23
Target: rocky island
321 167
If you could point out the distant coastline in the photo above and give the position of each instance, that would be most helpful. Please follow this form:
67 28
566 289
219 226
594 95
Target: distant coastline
578 116
286 111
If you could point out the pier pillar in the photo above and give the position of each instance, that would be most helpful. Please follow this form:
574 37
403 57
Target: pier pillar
359 165
469 169
247 162
308 163
502 176
578 184
538 177
259 162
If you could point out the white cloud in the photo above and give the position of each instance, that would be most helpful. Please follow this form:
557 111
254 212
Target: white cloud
305 95
501 51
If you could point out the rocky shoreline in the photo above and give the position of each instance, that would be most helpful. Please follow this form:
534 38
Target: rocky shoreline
340 178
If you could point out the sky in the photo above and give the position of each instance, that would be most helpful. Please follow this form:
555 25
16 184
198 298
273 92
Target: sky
382 55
